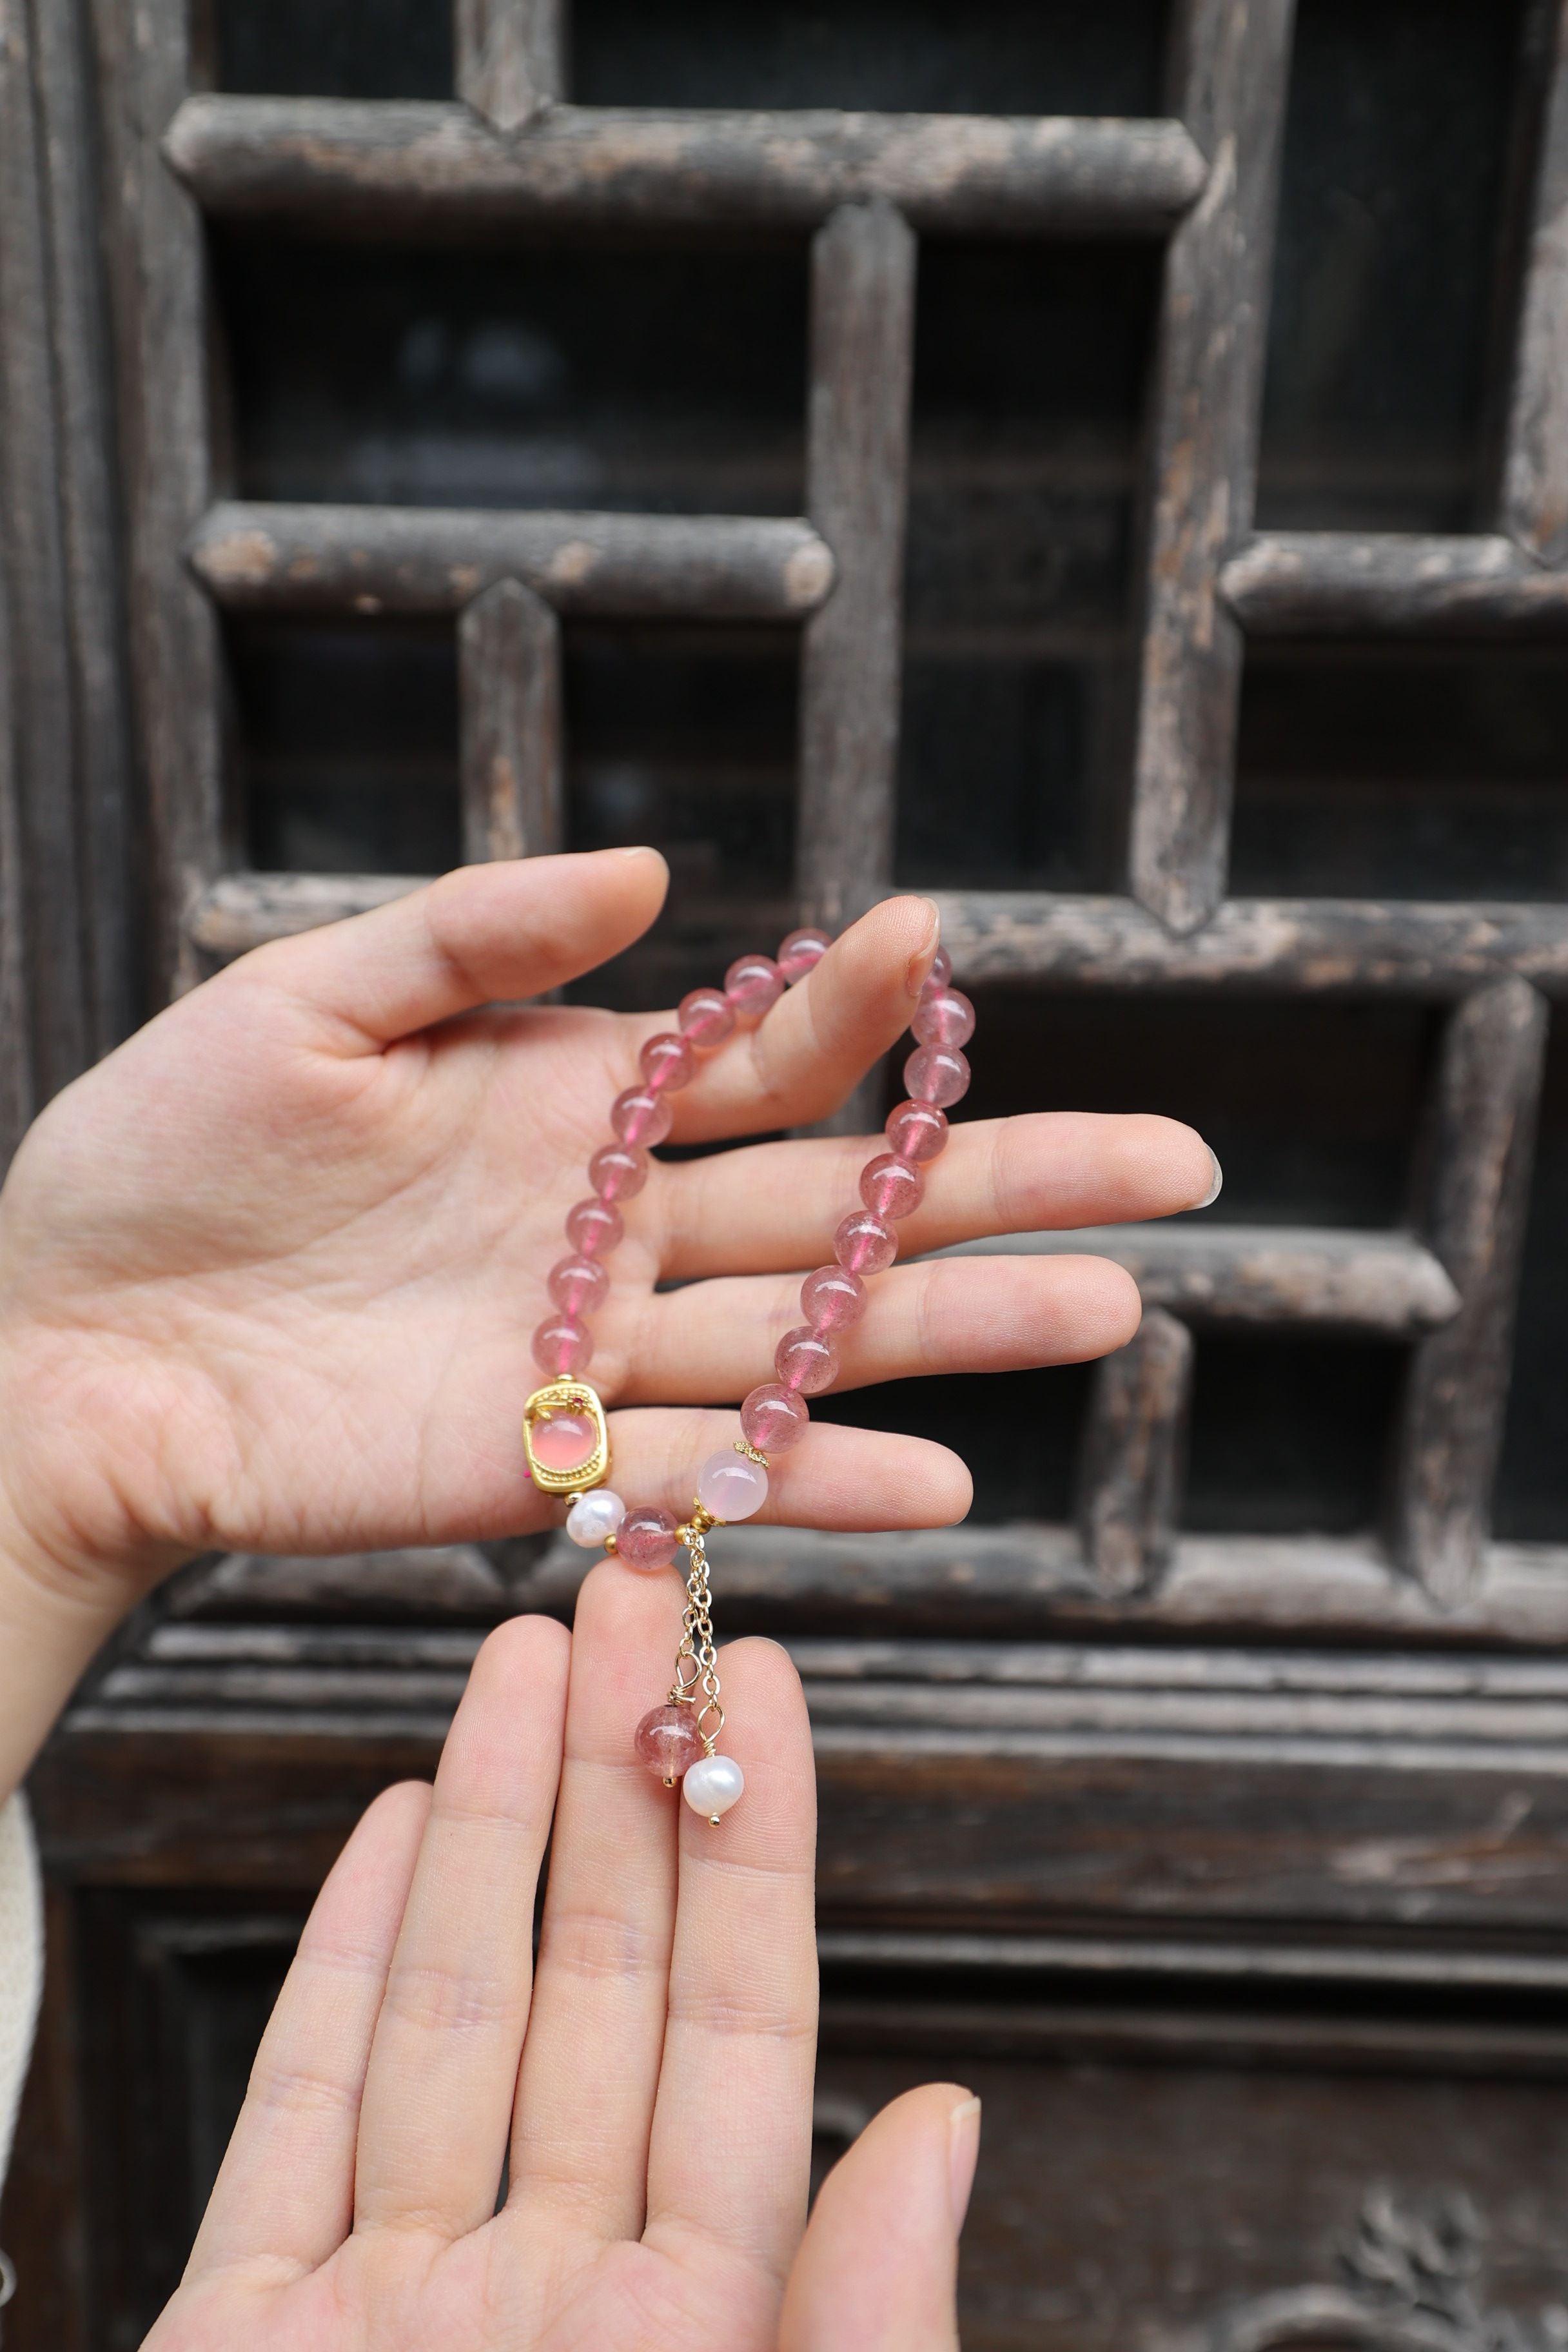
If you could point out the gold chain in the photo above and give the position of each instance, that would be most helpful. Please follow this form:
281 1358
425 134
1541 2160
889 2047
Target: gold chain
697 1660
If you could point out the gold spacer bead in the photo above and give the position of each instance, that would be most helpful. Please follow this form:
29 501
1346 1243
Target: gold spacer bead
743 1445
610 1544
701 1520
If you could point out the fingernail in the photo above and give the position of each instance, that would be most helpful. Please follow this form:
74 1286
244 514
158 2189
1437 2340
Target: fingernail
962 2150
920 962
641 849
1212 1195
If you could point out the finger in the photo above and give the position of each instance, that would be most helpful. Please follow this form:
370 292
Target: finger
732 2131
285 2192
482 935
848 1479
822 1036
879 2268
443 2067
590 2068
776 1205
716 1340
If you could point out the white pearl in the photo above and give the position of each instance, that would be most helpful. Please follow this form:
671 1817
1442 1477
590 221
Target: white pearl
712 1785
594 1515
731 1485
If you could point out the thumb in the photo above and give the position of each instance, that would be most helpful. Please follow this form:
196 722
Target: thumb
878 2270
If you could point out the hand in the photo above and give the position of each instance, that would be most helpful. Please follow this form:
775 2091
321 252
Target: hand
653 2095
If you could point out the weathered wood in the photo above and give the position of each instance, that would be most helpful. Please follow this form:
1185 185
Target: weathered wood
1345 584
1535 462
241 911
1135 1448
509 653
1476 1195
439 1582
510 57
257 558
1208 379
330 159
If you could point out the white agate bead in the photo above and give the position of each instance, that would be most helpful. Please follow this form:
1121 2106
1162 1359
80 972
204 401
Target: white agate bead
731 1485
712 1785
594 1515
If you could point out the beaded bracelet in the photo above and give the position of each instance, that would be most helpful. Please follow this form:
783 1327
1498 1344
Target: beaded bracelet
566 1435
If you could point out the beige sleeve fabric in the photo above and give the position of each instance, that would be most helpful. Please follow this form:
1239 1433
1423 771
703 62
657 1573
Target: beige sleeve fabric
21 1962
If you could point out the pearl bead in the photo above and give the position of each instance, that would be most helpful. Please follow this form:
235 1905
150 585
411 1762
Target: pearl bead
712 1785
668 1742
731 1485
594 1515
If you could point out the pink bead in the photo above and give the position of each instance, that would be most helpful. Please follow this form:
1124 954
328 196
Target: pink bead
564 1441
801 953
806 1362
646 1539
890 1186
618 1171
831 1298
917 1131
864 1243
578 1284
941 970
751 983
561 1346
639 1115
668 1061
731 1486
773 1419
594 1227
945 1016
937 1074
705 1016
667 1741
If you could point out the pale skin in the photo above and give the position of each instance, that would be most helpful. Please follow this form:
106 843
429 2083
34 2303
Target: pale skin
267 1278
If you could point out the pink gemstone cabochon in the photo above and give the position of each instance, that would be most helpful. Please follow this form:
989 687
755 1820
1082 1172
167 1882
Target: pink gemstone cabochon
564 1441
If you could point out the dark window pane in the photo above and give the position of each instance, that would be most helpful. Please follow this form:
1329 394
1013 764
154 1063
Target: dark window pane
1289 1436
1394 166
1007 57
333 48
1434 771
1018 1432
1532 1504
347 744
1031 364
668 380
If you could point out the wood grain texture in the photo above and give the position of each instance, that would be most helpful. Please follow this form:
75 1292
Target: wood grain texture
509 666
1475 1197
1234 59
510 57
334 159
1392 584
260 558
1135 1448
1535 460
241 911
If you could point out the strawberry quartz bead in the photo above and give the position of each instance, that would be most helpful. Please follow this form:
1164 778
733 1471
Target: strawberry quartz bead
863 1244
752 984
639 1115
941 970
831 1299
578 1284
801 953
890 1186
647 1538
937 1074
561 1346
618 1171
917 1131
667 1741
705 1016
945 1016
806 1362
594 1228
772 1419
668 1062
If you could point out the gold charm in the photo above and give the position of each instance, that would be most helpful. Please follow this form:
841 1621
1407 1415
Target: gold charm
565 1437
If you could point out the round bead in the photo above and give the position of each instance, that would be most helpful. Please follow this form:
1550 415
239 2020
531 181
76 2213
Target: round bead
668 1062
891 1186
941 970
864 1243
594 1515
731 1485
561 1346
564 1441
578 1284
705 1016
773 1419
832 1298
639 1115
647 1538
945 1016
937 1074
917 1131
752 984
668 1742
712 1785
594 1227
801 953
804 1359
617 1171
